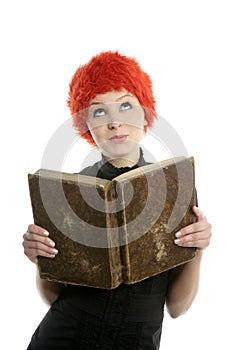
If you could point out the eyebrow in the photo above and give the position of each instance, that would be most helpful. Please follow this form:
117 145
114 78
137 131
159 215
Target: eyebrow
118 99
121 97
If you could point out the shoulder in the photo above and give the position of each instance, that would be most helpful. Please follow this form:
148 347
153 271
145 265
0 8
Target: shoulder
91 170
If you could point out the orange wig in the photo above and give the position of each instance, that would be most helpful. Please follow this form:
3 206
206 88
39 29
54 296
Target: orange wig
105 72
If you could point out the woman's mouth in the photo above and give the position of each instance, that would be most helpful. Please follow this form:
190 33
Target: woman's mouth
118 138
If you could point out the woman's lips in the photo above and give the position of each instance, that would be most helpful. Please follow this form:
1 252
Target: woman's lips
118 138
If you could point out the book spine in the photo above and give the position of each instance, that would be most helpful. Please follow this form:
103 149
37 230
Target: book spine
115 265
123 235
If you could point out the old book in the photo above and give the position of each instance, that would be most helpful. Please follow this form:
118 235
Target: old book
113 232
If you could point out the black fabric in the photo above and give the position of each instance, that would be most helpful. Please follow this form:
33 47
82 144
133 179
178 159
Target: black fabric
106 170
129 317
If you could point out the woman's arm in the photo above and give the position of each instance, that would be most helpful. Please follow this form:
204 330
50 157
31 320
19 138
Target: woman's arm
184 279
36 242
49 291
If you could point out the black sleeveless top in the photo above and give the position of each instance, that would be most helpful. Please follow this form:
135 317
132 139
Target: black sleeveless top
126 318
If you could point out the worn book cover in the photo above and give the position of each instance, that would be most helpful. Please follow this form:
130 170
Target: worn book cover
113 232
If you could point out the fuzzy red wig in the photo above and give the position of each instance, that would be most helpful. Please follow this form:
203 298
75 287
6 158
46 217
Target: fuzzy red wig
105 72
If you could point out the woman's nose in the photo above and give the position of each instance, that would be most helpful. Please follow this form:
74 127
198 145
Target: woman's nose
114 125
114 121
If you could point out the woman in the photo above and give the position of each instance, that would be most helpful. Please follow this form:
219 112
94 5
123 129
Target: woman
112 105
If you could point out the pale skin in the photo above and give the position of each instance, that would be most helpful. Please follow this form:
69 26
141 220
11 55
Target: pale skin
116 122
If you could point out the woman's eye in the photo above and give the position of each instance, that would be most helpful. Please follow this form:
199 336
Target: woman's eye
125 106
100 112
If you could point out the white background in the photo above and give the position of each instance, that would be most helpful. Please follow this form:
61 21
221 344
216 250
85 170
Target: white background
186 47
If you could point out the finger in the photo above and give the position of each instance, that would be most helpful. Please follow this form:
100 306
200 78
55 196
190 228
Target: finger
32 248
38 230
199 214
38 233
192 228
199 239
31 237
194 237
200 243
38 245
32 254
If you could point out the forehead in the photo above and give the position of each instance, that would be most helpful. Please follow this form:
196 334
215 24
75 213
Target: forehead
113 96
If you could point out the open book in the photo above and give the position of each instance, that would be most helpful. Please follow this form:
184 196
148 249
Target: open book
113 232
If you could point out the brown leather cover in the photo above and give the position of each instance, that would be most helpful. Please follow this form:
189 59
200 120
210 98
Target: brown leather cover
112 232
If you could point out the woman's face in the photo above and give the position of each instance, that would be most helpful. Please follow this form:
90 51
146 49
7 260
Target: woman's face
116 122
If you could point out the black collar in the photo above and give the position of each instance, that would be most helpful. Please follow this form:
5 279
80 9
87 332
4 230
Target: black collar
108 171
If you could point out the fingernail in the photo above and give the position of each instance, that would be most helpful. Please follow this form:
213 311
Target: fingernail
46 233
55 251
52 244
178 234
177 241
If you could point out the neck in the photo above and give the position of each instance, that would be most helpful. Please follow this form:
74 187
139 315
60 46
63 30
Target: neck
125 161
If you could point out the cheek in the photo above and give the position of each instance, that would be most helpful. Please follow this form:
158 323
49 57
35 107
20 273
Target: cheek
97 133
137 125
136 133
136 117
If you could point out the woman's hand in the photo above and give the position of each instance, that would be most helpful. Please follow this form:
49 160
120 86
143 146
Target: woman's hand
195 235
37 243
